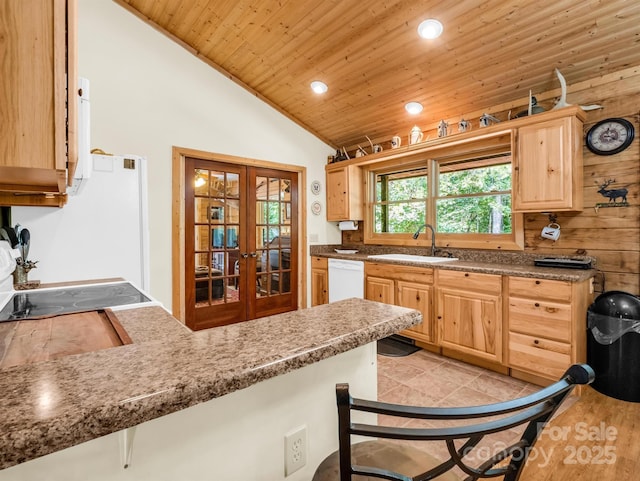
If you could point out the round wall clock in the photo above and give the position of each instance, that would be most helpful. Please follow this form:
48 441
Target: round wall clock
610 136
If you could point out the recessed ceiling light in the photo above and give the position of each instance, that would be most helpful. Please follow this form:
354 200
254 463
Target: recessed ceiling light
414 108
430 28
319 87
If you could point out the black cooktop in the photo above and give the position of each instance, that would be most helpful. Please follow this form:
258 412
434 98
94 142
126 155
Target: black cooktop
40 303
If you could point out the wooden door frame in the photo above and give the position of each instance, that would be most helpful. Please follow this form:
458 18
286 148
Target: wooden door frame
178 220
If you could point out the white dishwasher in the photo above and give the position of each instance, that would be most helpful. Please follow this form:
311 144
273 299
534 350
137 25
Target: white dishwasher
346 279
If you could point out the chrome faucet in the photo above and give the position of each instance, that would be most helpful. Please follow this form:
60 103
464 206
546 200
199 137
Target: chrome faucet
433 237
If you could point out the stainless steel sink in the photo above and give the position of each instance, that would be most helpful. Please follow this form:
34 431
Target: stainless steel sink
412 258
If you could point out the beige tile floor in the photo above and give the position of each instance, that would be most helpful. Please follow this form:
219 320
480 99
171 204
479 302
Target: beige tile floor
427 379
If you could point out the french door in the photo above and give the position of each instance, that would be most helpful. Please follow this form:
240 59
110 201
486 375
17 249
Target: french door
240 242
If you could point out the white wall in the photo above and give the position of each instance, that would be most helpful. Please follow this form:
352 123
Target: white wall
149 94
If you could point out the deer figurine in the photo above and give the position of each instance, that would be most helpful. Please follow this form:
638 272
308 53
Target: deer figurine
613 194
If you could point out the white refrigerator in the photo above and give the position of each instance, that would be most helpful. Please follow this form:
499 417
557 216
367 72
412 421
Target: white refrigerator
101 232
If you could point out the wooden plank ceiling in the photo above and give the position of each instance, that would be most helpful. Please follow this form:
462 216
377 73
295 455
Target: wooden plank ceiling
492 52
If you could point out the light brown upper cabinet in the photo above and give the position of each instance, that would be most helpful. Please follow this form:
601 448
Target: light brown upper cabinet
38 101
344 192
548 167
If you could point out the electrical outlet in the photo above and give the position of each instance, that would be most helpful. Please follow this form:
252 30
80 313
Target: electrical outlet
295 450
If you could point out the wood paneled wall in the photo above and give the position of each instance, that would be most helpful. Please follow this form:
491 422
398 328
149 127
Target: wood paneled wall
612 234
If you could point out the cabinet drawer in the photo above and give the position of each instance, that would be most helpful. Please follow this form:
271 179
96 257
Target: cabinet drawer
540 289
319 263
547 319
422 275
470 281
539 356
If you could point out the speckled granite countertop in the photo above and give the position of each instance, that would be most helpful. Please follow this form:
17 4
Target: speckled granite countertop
52 405
502 263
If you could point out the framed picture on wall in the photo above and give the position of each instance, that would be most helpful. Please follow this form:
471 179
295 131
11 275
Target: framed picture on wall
217 213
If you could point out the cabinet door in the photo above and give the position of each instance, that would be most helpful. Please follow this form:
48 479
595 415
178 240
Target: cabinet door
380 289
337 182
319 281
419 297
38 61
548 170
344 193
470 322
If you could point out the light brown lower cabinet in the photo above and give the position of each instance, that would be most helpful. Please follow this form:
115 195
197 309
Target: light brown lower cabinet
469 313
319 281
546 326
407 287
535 334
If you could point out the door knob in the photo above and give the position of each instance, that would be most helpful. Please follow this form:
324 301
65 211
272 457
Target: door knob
244 255
253 254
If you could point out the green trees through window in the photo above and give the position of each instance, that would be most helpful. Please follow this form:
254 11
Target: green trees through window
401 201
475 200
472 197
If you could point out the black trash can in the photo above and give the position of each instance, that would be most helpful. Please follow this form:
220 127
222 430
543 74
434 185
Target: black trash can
613 344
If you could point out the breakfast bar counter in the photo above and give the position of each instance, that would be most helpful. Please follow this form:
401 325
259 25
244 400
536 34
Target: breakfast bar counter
52 405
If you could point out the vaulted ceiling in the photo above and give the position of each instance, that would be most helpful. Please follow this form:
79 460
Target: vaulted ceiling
492 52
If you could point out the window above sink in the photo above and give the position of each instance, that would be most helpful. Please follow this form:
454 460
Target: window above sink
463 191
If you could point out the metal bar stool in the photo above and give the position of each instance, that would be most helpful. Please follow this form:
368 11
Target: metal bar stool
385 458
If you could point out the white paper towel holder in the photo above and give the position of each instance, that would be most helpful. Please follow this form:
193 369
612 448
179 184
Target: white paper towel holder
348 225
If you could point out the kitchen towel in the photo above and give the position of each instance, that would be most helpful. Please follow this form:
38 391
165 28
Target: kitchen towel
348 225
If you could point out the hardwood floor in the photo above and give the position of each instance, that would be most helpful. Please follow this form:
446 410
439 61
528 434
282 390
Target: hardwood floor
596 439
591 438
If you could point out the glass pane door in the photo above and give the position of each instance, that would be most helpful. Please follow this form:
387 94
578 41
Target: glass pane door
240 243
273 236
217 235
275 259
217 230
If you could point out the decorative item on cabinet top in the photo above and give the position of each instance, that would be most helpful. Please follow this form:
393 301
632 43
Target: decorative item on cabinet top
442 128
341 154
532 109
415 135
488 119
464 125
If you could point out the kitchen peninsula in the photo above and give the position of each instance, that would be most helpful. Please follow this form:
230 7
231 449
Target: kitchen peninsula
245 386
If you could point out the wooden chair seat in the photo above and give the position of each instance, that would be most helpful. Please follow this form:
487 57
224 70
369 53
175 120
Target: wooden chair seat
384 455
